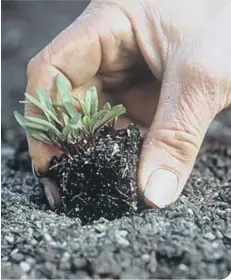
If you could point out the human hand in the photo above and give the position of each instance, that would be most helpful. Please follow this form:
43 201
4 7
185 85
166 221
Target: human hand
168 64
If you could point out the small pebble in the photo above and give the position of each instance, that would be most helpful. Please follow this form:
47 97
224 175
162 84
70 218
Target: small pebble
119 235
5 259
65 266
183 267
79 263
145 258
74 246
38 225
123 233
25 266
17 257
34 242
13 252
30 260
190 211
123 242
99 228
219 234
9 239
209 236
47 237
65 257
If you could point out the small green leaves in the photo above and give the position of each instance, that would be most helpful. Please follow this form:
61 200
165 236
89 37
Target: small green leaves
19 118
109 115
47 107
44 103
74 122
66 95
82 105
107 106
33 101
39 135
36 123
92 101
62 124
43 123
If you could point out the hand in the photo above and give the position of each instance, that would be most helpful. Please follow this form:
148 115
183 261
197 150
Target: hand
168 62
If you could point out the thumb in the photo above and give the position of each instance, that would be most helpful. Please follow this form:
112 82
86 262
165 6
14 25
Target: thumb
176 134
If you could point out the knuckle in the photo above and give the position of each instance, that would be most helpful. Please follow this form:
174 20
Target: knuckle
184 147
37 62
31 65
182 144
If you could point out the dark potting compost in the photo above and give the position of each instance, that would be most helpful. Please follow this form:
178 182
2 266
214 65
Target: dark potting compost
100 180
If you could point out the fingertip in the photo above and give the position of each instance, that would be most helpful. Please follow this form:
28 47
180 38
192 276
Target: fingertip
41 155
52 193
161 188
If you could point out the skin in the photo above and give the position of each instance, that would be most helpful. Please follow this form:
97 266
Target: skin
168 62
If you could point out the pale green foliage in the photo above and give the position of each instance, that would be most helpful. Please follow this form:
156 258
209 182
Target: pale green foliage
62 124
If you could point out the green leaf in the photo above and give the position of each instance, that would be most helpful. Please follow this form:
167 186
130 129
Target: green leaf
19 118
43 123
66 95
44 100
48 108
66 131
39 135
73 134
69 135
75 121
107 106
41 105
66 119
99 116
26 123
83 129
72 125
86 122
84 133
35 126
57 105
115 112
63 89
33 101
82 105
92 101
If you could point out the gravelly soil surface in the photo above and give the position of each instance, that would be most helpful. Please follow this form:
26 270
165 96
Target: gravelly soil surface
191 239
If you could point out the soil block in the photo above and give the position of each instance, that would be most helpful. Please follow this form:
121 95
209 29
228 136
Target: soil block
101 179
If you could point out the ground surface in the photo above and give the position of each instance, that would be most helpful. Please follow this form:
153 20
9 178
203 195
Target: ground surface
191 239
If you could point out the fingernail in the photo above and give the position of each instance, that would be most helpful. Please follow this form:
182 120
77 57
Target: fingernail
52 193
35 173
161 187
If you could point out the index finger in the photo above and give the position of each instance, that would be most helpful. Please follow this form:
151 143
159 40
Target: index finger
74 53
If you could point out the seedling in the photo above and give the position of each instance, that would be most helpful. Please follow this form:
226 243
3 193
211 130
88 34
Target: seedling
97 172
62 124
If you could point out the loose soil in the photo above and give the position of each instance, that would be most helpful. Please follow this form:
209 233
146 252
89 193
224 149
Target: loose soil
190 239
